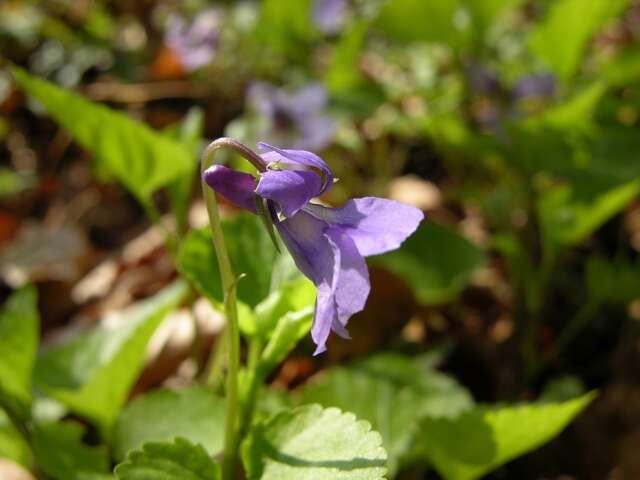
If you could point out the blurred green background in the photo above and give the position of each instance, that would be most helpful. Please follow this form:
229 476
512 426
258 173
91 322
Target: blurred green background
514 124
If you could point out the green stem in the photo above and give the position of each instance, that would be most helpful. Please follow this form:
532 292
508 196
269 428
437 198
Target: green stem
255 377
216 364
229 282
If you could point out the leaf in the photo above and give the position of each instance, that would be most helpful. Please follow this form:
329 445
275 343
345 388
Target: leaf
250 250
124 149
435 261
622 68
92 374
484 13
289 330
310 442
291 297
189 132
479 441
343 73
59 451
12 445
194 413
19 332
566 220
418 20
177 460
614 282
284 28
392 392
562 37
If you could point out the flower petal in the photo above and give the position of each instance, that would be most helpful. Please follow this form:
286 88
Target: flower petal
314 255
374 224
316 132
291 189
352 286
237 187
298 158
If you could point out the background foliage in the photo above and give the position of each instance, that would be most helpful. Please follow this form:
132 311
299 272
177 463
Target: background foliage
509 314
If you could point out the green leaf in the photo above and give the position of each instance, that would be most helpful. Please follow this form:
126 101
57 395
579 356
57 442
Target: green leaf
92 374
177 460
13 183
562 37
343 73
289 330
12 445
418 20
435 261
194 413
392 392
124 149
622 68
312 443
251 253
485 12
615 282
291 297
284 28
479 441
566 220
19 332
59 451
189 132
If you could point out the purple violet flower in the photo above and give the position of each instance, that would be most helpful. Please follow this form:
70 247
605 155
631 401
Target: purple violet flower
540 85
327 244
329 15
194 43
295 120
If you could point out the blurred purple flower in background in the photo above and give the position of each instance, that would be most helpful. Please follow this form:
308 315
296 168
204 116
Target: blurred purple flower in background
482 79
294 120
535 86
194 42
329 15
327 244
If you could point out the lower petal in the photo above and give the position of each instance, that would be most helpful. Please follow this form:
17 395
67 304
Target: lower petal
352 285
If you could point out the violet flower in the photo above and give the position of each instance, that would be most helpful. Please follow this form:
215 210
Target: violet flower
293 120
535 86
327 244
194 43
329 15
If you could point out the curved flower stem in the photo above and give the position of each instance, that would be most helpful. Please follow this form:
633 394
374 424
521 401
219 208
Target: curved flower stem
229 282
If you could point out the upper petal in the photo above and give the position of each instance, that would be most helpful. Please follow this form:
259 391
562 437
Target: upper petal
291 189
237 187
298 158
375 225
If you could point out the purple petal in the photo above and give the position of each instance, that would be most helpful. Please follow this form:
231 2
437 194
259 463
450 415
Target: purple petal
316 132
352 285
374 224
314 255
195 43
309 99
324 318
298 158
237 187
329 15
292 190
260 97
